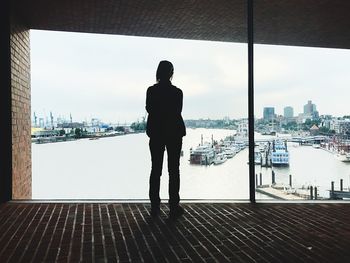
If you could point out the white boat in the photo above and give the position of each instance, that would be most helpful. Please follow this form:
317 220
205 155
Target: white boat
239 145
316 146
279 153
234 146
257 157
344 157
347 157
229 152
220 158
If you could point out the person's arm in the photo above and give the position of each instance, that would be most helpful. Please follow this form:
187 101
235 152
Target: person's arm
179 110
148 102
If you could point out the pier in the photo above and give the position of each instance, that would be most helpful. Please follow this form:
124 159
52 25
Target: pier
339 194
279 192
286 192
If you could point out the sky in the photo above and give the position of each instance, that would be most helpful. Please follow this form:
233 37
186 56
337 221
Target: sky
106 76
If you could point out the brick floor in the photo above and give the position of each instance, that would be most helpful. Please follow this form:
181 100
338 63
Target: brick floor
207 233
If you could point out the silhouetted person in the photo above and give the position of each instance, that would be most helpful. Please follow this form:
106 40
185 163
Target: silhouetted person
165 127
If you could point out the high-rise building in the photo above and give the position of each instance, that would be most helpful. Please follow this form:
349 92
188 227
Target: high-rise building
288 112
269 113
310 110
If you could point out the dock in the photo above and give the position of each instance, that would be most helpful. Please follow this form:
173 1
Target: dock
339 194
281 192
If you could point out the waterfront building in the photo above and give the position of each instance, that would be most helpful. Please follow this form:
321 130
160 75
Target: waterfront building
269 113
340 126
288 112
243 128
326 123
69 127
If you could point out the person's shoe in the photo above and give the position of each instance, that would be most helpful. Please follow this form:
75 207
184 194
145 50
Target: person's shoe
176 212
155 211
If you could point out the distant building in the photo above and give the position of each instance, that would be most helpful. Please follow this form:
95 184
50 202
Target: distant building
340 126
68 127
310 110
269 113
288 112
314 130
243 128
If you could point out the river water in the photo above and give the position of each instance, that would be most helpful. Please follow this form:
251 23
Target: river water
118 168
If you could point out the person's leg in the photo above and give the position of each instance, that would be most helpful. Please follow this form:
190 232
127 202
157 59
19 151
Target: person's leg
174 150
157 154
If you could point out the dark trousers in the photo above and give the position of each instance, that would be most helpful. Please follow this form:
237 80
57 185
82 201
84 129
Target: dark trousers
157 147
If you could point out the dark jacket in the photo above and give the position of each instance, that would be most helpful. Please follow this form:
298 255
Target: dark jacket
164 106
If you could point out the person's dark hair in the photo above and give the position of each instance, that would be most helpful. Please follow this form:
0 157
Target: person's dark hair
165 70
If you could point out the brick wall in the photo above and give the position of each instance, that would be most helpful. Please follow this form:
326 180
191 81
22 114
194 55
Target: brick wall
21 114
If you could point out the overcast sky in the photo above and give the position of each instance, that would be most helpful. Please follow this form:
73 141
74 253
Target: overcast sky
106 76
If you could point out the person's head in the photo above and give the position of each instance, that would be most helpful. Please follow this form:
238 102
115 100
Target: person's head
165 71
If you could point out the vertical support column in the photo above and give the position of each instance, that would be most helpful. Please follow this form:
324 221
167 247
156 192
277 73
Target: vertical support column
250 23
20 107
261 182
341 184
5 105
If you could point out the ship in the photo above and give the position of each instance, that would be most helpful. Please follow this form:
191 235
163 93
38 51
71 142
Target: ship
279 153
203 155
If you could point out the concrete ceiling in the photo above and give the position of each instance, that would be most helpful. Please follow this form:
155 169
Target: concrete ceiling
317 23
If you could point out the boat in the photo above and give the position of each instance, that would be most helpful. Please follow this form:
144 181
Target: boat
203 155
279 153
220 158
229 152
316 146
257 157
343 156
239 146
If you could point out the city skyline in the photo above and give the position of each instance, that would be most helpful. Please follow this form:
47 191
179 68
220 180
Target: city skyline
107 75
61 118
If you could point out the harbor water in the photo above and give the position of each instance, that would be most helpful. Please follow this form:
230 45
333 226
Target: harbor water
118 168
